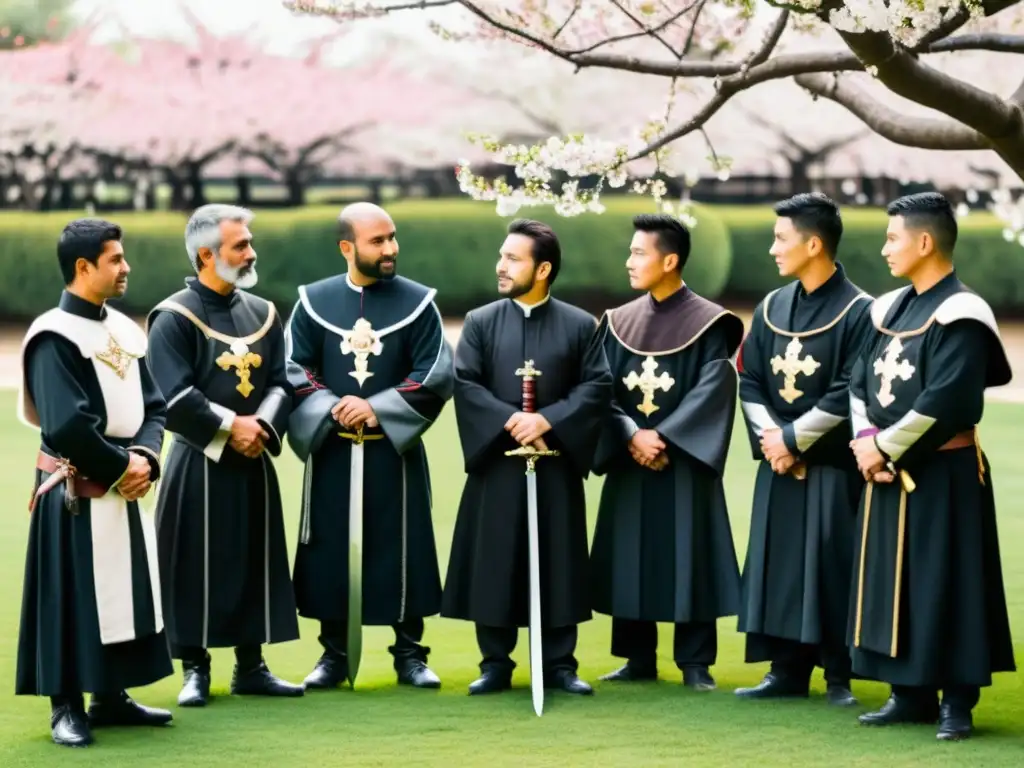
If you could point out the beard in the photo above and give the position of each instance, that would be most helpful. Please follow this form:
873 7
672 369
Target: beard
377 270
515 290
243 277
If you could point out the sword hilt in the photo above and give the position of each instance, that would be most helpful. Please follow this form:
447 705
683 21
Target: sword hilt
358 438
531 454
529 374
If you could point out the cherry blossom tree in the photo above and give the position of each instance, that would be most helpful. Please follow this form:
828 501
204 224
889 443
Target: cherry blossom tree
872 47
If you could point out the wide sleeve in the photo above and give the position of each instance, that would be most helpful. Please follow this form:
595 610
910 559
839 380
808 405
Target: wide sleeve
834 406
405 412
54 372
276 405
755 403
310 419
149 440
617 427
701 425
576 420
953 397
859 422
480 416
173 350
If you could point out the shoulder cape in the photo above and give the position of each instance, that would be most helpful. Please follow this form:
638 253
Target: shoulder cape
675 330
786 295
254 314
407 300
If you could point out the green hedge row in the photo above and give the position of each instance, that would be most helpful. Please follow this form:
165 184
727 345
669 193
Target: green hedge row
451 245
984 259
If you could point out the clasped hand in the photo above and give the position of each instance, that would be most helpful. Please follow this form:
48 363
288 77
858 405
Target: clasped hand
135 483
870 461
648 449
774 449
527 428
353 412
247 436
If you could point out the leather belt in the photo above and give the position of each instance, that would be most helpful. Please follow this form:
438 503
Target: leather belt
61 470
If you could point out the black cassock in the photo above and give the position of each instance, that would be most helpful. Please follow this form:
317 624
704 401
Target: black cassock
663 547
91 618
488 569
795 367
384 343
927 605
223 551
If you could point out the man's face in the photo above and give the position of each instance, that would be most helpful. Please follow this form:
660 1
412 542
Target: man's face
516 270
235 262
790 248
903 247
108 277
646 264
375 250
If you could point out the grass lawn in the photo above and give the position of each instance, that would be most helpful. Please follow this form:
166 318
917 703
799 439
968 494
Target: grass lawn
379 724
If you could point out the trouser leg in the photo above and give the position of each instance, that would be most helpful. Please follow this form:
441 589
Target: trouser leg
559 649
496 645
408 635
695 644
636 641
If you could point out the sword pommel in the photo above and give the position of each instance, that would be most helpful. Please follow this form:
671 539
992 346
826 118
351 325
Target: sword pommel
529 374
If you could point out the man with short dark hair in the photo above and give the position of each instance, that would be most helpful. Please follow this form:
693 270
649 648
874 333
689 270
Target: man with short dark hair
525 333
217 352
91 617
663 548
795 369
928 608
371 371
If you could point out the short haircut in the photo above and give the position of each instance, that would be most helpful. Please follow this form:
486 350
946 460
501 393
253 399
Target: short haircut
813 213
545 243
84 239
203 227
669 233
931 212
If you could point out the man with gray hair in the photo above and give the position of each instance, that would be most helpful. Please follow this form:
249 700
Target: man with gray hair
218 354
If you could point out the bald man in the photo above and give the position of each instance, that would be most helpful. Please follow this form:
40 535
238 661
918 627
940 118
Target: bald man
372 372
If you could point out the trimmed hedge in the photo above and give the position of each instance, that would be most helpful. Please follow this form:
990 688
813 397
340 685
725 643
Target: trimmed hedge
451 245
984 259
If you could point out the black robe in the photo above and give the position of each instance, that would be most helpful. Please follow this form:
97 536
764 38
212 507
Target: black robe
796 578
927 605
223 553
663 548
407 380
91 617
488 569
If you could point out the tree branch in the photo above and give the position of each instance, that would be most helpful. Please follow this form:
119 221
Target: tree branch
925 133
979 42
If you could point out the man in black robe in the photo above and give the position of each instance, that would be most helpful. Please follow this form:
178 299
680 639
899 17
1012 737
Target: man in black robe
928 608
663 548
372 372
91 618
795 369
218 354
487 580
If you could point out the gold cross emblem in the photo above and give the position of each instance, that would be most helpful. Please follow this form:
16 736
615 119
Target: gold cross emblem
790 366
888 368
241 359
115 357
648 384
361 342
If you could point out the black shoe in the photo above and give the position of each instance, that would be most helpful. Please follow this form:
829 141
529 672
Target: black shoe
632 671
69 726
122 710
490 682
567 680
775 686
260 682
195 692
330 671
839 695
955 724
417 674
899 709
698 677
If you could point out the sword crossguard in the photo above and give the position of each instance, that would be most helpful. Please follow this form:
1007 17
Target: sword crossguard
531 454
358 438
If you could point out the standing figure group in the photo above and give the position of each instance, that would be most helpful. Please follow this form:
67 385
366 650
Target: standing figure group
872 550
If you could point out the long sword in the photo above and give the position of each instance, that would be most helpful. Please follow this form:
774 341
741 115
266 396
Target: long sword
532 455
354 644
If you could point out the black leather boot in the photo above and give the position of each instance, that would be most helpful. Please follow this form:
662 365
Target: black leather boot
902 709
69 726
415 672
491 680
633 670
251 677
775 686
330 671
698 677
568 681
120 709
195 689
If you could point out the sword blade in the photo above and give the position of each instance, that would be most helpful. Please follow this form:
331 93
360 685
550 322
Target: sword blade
536 641
354 648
